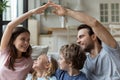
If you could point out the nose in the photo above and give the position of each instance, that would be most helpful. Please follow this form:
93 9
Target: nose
78 41
26 42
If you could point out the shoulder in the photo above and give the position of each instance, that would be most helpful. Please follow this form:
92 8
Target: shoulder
4 54
105 46
29 60
111 50
3 51
59 73
82 76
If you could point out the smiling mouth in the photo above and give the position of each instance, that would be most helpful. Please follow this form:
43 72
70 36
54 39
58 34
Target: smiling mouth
25 47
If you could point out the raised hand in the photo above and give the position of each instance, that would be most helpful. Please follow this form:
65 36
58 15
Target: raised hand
58 9
41 9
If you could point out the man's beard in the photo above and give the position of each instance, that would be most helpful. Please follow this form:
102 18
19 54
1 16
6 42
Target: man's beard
88 48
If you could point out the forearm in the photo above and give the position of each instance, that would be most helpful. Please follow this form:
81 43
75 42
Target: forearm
19 20
81 17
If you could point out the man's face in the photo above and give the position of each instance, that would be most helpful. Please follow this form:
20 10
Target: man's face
85 40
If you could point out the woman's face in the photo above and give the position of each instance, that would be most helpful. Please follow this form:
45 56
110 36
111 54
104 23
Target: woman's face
22 42
62 63
41 63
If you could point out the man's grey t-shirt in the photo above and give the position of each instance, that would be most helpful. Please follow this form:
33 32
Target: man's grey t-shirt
105 66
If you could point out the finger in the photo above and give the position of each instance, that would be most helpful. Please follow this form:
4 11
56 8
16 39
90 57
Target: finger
55 12
55 6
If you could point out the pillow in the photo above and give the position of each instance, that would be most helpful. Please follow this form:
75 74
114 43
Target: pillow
37 50
55 55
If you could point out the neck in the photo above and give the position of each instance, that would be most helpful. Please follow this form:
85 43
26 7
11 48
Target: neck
96 50
40 73
19 55
73 72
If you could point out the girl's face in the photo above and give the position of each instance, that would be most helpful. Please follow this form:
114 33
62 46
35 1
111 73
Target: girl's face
42 63
22 42
62 63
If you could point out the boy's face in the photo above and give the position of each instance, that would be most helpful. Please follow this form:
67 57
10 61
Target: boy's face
62 63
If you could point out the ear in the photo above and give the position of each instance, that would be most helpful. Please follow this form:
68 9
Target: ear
94 37
70 64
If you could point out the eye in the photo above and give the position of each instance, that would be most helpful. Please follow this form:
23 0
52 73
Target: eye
80 36
23 39
28 40
38 58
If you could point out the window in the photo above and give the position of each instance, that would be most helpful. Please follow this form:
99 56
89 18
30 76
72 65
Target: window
17 7
104 12
115 12
109 12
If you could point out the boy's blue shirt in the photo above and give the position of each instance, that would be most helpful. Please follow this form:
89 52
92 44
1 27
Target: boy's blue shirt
63 75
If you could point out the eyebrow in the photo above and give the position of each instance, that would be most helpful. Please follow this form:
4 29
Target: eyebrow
81 36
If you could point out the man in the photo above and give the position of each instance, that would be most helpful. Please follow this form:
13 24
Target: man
103 61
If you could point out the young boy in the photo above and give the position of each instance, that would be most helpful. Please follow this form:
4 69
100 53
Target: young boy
71 60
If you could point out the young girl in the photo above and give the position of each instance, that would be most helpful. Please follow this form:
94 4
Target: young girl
44 68
71 60
15 49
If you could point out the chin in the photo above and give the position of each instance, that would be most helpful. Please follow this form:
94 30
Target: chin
33 67
60 67
24 50
83 48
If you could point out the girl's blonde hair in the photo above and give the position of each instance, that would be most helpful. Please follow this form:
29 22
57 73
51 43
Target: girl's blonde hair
52 68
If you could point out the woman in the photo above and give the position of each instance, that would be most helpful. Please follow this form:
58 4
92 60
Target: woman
15 51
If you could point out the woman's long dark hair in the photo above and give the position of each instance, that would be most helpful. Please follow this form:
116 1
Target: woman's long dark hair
12 49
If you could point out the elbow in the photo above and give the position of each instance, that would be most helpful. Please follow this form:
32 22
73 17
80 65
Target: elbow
92 22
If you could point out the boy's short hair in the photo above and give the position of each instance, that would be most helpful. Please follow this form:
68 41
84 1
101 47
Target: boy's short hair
73 53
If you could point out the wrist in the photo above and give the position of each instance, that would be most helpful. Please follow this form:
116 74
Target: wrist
31 11
67 11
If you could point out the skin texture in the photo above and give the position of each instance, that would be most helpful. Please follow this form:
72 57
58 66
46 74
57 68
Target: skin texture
62 63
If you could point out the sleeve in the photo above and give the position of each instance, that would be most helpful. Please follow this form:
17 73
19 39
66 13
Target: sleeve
53 78
59 73
114 51
29 77
4 51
